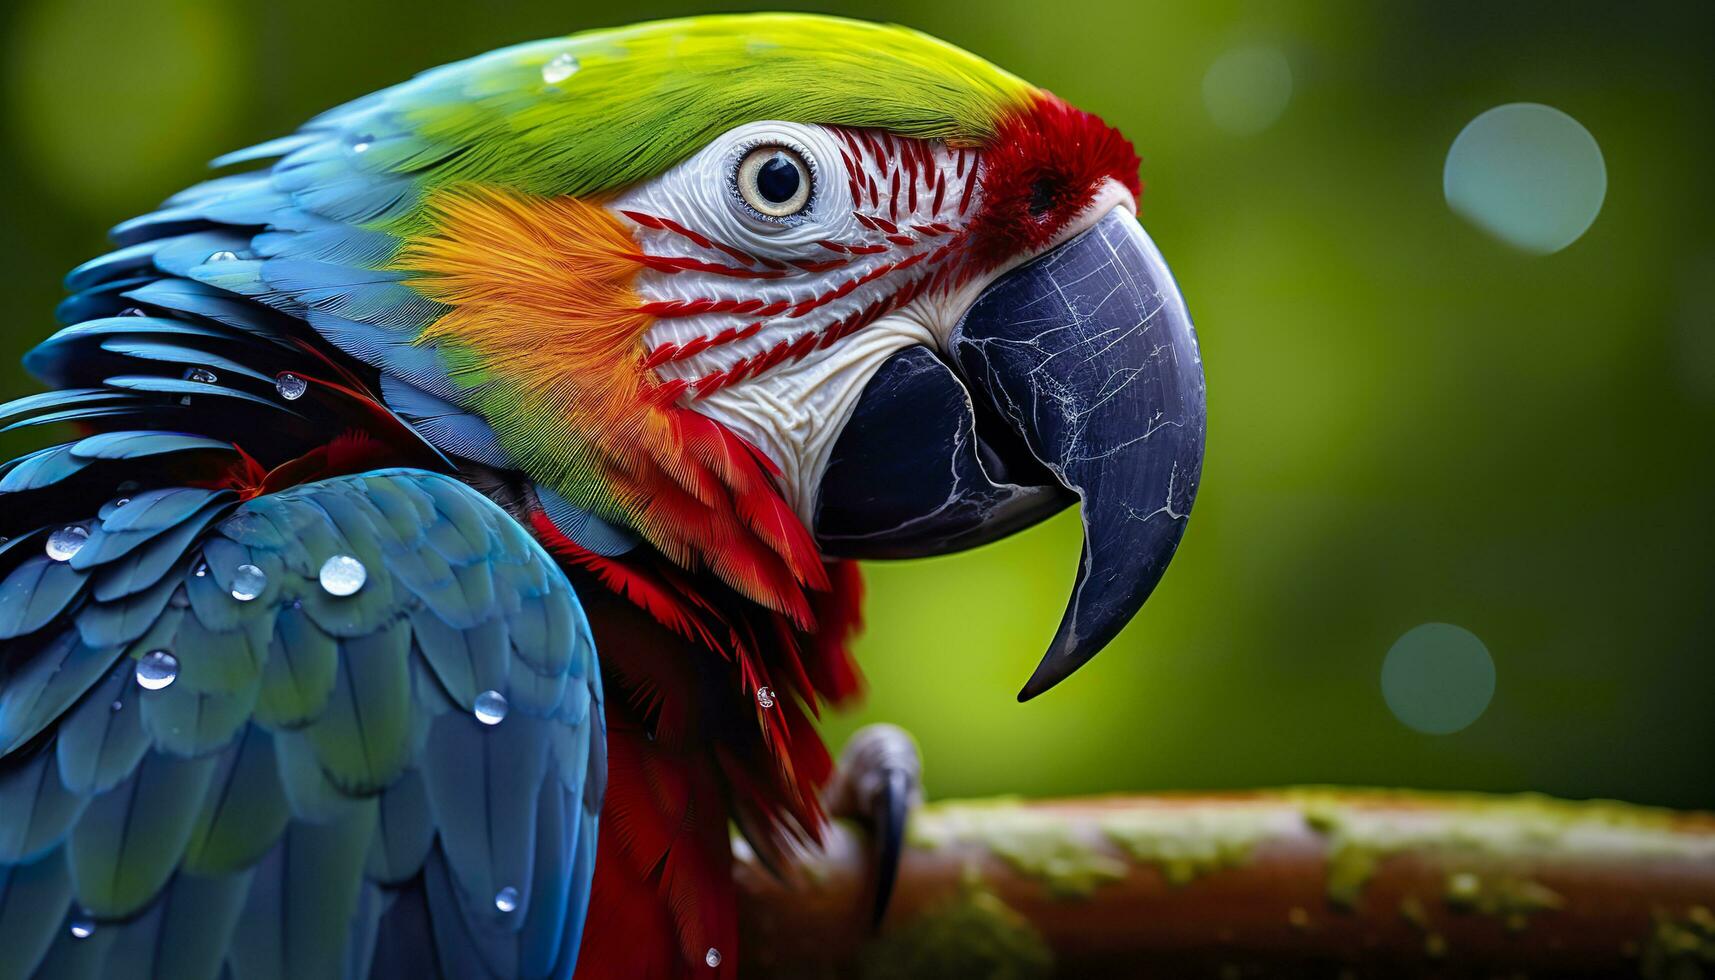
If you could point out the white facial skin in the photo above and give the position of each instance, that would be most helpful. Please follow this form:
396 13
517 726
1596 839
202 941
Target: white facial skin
880 234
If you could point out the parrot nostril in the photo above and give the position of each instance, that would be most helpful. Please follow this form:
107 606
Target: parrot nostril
1042 197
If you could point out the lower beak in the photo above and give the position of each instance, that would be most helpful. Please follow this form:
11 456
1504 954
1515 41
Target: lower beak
1077 377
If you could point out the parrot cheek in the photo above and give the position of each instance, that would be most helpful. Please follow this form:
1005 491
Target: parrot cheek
1072 377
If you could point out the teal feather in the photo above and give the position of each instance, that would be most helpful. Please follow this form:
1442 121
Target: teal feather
299 676
404 831
299 914
183 356
98 301
198 923
120 262
101 741
545 929
64 398
37 591
465 661
263 151
183 255
129 839
310 793
40 469
312 751
244 813
39 809
48 682
362 737
462 948
145 516
137 445
34 898
125 619
144 566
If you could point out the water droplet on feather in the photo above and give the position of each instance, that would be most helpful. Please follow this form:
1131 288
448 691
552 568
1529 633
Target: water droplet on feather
67 541
290 386
491 707
156 670
343 575
248 581
560 68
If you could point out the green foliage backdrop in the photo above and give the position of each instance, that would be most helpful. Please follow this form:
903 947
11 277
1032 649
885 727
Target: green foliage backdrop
1410 422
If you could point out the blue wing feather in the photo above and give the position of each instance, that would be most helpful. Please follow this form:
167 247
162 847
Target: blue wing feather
316 761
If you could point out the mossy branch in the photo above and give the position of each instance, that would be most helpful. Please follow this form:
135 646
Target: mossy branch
1300 882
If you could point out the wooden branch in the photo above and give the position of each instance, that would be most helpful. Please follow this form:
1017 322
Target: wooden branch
1325 883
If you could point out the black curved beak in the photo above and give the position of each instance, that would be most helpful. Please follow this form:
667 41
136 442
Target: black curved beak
1077 377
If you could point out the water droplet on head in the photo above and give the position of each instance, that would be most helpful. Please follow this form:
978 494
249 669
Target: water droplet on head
712 957
764 697
506 899
201 376
362 142
157 669
132 311
222 256
343 575
122 501
82 926
67 541
560 68
202 569
248 581
490 707
290 386
118 706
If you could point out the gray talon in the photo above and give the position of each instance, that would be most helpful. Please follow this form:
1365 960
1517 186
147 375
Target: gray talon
878 782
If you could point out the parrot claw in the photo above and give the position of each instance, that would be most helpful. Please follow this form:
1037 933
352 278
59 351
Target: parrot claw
878 783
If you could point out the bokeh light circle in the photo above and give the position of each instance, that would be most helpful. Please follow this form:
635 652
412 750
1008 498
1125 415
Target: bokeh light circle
1246 89
1528 174
1438 678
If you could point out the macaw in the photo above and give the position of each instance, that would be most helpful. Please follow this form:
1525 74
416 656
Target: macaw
458 540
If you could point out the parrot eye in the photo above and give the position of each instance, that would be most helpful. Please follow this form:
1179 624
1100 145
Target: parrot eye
774 180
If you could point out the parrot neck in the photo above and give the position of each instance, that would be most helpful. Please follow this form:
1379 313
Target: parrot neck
710 699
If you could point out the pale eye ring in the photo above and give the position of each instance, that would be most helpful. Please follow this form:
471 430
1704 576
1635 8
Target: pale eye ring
774 180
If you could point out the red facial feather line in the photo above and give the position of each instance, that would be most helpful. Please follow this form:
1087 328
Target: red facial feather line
911 171
983 209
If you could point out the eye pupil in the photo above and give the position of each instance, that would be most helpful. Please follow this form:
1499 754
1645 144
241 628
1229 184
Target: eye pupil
774 181
777 179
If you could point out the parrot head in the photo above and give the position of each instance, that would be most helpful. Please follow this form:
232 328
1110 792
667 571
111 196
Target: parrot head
754 291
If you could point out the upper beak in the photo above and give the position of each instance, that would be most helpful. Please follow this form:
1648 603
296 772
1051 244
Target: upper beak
1078 377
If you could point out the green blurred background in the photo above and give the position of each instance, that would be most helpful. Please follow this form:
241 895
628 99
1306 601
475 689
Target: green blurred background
1409 421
